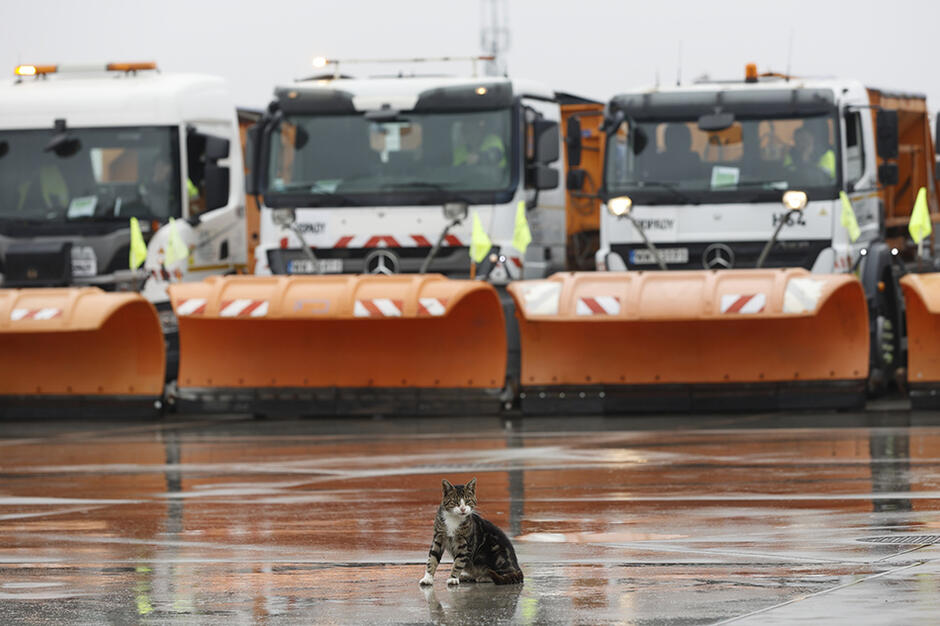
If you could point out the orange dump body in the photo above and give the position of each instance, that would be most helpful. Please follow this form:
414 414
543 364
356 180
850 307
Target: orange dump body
68 349
922 303
340 344
583 207
687 340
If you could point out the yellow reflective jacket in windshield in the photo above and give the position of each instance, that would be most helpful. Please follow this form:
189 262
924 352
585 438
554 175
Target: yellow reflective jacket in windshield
52 188
490 142
826 162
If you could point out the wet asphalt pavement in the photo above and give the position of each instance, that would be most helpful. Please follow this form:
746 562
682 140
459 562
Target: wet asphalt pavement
750 519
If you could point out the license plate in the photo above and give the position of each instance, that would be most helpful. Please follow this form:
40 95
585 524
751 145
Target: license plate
642 256
323 266
84 267
84 261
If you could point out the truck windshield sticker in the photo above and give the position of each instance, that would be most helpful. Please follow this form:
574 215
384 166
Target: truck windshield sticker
723 176
83 206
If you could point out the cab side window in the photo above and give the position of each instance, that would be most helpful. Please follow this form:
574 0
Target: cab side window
854 149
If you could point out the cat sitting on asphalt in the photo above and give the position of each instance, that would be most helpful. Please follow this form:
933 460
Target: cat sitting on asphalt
481 551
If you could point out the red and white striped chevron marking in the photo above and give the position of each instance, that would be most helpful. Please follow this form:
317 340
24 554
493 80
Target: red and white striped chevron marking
191 306
377 307
743 303
244 308
434 307
392 241
47 313
598 305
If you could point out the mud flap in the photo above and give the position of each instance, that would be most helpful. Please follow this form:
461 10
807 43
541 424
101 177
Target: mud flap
922 304
334 345
79 351
620 342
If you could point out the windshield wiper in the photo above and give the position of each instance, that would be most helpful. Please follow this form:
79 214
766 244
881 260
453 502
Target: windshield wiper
417 184
23 220
659 184
316 187
452 195
770 185
97 218
296 191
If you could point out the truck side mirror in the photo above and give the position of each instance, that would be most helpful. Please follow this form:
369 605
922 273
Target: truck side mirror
888 174
217 184
252 143
216 148
887 134
575 179
936 143
540 176
547 144
205 151
573 142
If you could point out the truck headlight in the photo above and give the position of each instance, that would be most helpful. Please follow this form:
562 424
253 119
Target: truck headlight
620 206
283 217
455 210
794 200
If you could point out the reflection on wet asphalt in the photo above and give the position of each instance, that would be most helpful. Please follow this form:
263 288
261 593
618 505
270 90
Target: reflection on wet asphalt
753 519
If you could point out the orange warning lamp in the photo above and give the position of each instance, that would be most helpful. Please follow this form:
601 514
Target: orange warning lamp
750 73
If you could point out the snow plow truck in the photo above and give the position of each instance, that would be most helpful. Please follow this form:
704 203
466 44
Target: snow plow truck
394 211
753 238
115 180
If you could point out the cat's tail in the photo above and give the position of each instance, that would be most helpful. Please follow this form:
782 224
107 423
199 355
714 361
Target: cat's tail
513 577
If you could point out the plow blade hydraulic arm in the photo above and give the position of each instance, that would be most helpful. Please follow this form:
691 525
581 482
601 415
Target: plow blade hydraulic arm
696 340
922 303
79 351
328 345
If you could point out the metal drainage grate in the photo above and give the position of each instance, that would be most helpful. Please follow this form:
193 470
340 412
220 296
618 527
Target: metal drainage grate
915 540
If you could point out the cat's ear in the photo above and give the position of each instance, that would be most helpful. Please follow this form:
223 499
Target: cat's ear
472 485
446 485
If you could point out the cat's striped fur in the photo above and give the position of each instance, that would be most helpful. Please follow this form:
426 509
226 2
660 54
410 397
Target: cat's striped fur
481 551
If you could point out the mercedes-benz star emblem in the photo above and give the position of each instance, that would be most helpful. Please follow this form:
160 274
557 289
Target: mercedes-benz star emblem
718 256
382 262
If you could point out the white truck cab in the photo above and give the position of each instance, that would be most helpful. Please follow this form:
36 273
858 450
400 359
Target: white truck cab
706 165
84 149
387 175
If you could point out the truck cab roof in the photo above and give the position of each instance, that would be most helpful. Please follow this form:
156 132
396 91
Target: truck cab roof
406 93
99 99
839 88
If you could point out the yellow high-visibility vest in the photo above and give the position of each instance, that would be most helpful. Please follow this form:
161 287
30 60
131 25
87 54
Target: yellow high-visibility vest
491 141
826 162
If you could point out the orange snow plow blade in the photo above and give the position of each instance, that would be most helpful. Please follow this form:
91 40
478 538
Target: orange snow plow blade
330 345
922 303
691 340
79 351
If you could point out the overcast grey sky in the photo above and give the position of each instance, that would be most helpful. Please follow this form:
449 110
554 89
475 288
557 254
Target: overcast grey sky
590 47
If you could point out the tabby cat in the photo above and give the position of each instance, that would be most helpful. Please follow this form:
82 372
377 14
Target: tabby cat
481 551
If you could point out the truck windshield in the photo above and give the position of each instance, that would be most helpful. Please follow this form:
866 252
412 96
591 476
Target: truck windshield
413 158
676 162
90 174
